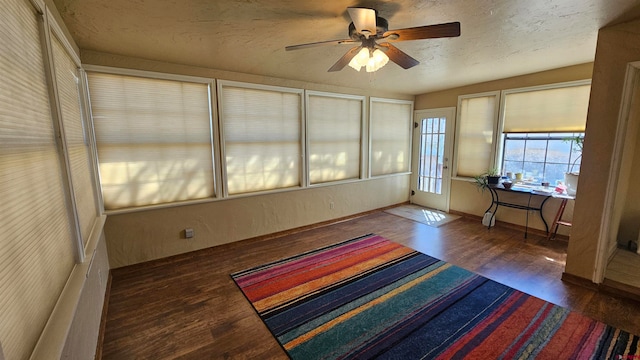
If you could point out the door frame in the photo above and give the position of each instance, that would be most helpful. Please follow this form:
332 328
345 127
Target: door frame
418 115
605 245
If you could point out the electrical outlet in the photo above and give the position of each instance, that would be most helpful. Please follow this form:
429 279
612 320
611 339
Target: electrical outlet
331 205
188 233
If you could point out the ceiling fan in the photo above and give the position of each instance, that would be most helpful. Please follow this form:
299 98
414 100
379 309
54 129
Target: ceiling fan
373 34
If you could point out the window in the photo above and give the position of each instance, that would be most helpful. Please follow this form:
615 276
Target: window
75 134
538 125
262 134
36 251
153 137
534 124
390 136
541 156
476 121
334 133
552 108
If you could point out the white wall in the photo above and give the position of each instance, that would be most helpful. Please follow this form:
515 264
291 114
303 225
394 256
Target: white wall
146 235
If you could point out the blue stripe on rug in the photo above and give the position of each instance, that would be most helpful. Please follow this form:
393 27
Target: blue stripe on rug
464 309
336 296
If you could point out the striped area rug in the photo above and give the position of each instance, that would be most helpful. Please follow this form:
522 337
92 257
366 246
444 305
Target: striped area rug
372 298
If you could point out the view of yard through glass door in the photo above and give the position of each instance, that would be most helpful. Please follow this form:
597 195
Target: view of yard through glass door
432 151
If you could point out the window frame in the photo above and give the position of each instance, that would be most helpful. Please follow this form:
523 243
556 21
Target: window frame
47 238
362 140
559 136
494 139
497 147
215 154
409 133
302 171
217 136
499 152
84 239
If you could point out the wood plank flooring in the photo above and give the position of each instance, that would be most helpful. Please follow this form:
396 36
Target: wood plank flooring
624 268
187 306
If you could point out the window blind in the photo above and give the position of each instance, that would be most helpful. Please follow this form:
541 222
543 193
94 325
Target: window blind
390 129
562 109
475 135
153 139
262 138
36 245
334 130
76 138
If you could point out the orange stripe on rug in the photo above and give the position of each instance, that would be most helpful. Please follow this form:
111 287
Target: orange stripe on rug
305 288
270 287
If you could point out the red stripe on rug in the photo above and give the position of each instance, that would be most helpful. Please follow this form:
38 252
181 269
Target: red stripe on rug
590 344
280 268
507 331
305 289
568 342
314 270
533 328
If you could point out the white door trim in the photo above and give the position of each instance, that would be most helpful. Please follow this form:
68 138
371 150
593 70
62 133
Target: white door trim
448 151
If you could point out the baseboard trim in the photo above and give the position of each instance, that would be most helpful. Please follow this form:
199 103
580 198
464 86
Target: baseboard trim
610 287
619 289
508 225
580 281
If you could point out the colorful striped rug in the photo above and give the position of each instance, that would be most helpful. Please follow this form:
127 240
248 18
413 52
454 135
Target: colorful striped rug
372 298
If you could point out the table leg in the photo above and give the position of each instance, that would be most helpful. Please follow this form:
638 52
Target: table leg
546 226
554 226
494 200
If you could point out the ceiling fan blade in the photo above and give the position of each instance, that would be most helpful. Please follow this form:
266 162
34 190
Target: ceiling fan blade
451 29
345 59
363 19
319 43
398 56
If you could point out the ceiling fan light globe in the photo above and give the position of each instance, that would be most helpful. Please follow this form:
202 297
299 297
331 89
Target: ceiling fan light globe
377 60
380 57
360 60
355 66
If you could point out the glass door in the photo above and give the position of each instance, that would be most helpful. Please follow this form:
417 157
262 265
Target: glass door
431 173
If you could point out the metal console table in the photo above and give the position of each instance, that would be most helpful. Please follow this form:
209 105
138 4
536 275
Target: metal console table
530 192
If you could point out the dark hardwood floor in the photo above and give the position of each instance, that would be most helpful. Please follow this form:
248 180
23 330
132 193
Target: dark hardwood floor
187 306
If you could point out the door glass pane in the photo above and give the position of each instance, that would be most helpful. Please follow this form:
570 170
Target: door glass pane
431 160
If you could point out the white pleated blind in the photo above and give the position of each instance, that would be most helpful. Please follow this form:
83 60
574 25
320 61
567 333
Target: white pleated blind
390 130
262 138
36 245
153 138
475 135
561 109
76 138
334 128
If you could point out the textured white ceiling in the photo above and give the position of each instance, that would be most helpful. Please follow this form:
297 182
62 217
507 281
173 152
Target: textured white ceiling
500 38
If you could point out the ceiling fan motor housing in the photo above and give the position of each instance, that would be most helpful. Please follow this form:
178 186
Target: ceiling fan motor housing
382 26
